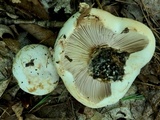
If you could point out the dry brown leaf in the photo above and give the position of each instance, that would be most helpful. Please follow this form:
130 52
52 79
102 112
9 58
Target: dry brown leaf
44 36
10 93
31 8
7 50
132 10
18 109
3 49
89 112
148 112
12 44
5 29
3 86
152 7
5 61
154 98
16 1
62 4
60 111
33 117
158 116
35 2
153 79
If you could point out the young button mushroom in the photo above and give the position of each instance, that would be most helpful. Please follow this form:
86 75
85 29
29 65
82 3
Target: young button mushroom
99 55
34 70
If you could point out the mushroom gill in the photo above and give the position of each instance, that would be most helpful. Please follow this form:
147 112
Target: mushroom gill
96 57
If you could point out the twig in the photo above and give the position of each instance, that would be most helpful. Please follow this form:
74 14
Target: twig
143 8
46 24
147 84
157 56
125 2
4 111
73 109
99 4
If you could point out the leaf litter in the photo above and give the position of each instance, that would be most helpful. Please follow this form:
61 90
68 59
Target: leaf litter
40 24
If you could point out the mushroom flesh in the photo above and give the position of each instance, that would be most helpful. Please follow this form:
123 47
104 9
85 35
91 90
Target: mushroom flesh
34 70
99 55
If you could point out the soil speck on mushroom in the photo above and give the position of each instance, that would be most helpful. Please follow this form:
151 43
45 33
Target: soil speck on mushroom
107 64
31 63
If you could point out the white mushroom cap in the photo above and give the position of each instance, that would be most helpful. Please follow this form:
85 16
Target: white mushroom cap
34 70
83 37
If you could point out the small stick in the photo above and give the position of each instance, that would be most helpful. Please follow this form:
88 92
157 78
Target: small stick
46 24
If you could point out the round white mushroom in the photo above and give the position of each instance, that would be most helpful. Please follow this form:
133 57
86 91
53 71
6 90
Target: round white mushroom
34 70
98 55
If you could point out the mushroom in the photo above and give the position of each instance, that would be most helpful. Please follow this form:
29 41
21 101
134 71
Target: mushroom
34 70
99 55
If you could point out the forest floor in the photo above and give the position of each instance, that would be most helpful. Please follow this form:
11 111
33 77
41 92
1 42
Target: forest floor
24 22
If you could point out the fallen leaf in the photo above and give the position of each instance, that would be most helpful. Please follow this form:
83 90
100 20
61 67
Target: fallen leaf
35 2
5 62
89 112
16 1
5 29
10 93
132 10
152 7
30 8
18 108
33 117
12 44
3 86
158 116
44 36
